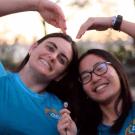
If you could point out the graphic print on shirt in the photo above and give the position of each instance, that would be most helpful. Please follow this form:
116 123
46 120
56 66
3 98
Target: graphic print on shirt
53 113
130 130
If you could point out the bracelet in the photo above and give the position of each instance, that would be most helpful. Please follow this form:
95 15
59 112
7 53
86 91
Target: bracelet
116 22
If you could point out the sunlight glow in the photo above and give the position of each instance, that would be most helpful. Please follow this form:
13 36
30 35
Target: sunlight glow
28 26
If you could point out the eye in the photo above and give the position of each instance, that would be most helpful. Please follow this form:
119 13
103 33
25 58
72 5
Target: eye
100 68
85 76
62 60
50 48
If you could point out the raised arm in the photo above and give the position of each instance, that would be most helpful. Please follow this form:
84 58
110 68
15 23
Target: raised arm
103 23
128 27
50 11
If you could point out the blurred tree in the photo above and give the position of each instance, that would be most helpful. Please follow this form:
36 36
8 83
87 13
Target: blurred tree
80 3
44 26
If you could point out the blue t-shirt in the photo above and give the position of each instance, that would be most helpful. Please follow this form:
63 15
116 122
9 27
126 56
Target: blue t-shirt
24 112
128 127
2 70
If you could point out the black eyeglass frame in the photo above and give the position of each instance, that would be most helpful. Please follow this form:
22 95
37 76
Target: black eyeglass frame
92 71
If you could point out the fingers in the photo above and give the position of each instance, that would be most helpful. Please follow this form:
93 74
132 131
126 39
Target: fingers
52 13
84 27
62 25
81 32
66 126
63 111
58 23
59 18
65 122
61 21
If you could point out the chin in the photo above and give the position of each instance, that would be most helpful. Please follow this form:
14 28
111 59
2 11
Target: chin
105 101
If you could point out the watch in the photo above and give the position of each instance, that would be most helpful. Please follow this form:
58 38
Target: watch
116 22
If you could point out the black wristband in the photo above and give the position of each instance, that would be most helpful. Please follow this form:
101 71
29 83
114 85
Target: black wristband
117 23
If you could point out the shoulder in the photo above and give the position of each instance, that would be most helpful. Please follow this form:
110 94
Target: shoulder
133 106
53 101
132 110
2 70
53 98
6 85
7 78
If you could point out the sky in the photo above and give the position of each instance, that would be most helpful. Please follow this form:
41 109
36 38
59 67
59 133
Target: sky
28 25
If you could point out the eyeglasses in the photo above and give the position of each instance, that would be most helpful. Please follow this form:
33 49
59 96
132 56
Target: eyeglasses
99 69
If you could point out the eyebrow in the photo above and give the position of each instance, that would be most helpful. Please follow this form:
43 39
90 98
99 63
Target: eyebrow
52 43
65 58
96 64
101 62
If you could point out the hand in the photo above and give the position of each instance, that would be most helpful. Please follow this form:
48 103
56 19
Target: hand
52 14
97 23
66 126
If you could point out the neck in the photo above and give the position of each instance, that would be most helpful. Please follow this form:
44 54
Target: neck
33 81
109 114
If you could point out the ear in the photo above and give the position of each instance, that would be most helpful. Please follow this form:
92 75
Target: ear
57 79
32 47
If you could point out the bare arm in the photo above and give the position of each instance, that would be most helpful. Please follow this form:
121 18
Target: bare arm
13 6
128 27
103 23
50 11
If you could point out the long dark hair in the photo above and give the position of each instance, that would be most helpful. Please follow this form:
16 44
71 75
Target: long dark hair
65 88
91 114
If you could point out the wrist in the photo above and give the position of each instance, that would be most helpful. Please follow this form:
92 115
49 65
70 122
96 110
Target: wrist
33 5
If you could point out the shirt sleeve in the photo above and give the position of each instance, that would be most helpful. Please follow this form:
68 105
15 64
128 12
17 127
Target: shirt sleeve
2 70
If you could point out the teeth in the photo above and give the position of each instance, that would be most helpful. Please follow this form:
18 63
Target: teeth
45 63
100 87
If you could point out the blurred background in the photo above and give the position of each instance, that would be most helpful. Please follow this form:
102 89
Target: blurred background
18 31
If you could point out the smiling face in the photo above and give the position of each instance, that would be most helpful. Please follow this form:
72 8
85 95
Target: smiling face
102 88
51 57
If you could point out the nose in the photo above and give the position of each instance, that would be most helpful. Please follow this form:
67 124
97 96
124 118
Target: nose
95 77
53 57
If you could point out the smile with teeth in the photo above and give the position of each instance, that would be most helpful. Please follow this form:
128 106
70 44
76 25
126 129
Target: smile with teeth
100 88
46 63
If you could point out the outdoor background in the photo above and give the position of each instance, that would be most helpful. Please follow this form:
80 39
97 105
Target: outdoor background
18 31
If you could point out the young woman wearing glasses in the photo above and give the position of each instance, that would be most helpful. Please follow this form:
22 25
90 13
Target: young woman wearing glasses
106 103
106 106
